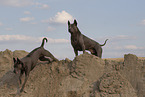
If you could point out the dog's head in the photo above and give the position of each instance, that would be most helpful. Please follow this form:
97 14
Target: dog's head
72 28
18 65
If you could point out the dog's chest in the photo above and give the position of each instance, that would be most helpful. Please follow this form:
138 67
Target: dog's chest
75 43
74 40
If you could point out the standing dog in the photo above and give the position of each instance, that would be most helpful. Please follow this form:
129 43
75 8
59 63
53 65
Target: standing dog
26 64
81 42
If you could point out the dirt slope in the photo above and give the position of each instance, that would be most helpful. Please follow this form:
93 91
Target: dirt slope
85 76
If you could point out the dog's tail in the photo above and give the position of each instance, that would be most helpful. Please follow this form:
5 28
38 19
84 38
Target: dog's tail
43 41
104 43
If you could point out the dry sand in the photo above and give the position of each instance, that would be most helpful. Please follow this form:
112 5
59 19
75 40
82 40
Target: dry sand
85 76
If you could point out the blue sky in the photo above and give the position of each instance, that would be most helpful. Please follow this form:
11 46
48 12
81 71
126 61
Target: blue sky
23 24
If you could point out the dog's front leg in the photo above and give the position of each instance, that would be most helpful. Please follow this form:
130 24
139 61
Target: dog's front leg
76 52
21 76
81 41
26 77
20 79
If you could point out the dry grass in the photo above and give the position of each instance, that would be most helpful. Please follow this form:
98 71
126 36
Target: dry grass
121 59
141 58
115 59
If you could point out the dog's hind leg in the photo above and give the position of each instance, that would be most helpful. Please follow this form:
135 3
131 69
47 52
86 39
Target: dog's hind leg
43 58
83 48
48 54
81 41
92 51
98 51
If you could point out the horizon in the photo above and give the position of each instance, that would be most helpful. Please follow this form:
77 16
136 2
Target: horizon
116 59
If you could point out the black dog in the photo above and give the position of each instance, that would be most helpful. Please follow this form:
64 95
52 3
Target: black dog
81 42
26 64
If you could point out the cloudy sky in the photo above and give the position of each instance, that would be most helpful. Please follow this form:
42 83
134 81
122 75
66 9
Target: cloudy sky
23 24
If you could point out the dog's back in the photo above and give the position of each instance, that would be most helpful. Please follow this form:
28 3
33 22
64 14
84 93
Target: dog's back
35 50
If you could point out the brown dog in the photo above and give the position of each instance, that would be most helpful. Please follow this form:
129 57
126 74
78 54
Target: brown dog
81 42
26 64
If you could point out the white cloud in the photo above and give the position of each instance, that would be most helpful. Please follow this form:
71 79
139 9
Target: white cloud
61 17
45 21
33 23
123 42
133 47
50 28
44 6
128 47
14 38
9 29
23 3
50 40
142 22
27 12
16 3
119 50
123 37
41 6
26 19
1 23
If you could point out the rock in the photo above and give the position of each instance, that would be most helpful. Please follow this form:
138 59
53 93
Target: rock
5 56
114 83
133 71
6 59
19 53
88 67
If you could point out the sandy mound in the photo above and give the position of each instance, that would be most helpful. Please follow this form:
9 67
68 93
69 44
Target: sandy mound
85 76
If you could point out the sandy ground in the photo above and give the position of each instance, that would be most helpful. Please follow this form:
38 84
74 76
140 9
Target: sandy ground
85 76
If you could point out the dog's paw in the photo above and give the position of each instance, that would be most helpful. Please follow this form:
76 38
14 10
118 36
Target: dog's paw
21 90
84 52
24 91
20 82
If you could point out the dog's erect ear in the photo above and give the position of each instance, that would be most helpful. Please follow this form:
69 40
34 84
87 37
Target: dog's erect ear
18 60
75 22
14 60
68 22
